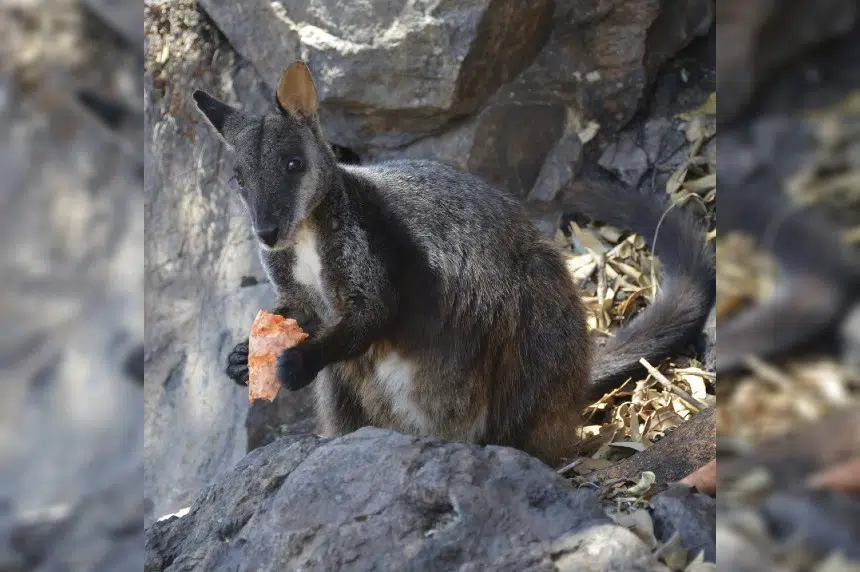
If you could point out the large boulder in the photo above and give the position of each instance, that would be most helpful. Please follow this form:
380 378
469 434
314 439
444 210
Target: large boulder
375 499
203 278
494 87
389 72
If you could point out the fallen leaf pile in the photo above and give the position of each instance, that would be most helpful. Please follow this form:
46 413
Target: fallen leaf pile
619 277
776 397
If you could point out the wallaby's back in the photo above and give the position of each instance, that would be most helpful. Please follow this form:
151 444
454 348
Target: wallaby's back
495 315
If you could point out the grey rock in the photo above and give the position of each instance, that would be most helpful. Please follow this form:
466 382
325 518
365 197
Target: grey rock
290 414
741 552
387 72
691 515
662 140
710 340
424 91
604 548
559 168
512 141
625 159
126 18
374 497
198 249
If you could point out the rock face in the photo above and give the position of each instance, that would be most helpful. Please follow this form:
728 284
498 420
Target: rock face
199 255
390 70
498 88
374 497
692 516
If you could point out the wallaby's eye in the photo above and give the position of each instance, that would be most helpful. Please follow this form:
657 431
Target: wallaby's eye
295 164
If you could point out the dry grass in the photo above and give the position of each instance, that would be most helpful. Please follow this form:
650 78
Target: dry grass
618 274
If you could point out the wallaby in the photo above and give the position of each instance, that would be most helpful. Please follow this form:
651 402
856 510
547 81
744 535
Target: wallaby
433 304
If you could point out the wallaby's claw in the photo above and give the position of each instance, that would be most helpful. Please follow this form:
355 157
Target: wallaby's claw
237 364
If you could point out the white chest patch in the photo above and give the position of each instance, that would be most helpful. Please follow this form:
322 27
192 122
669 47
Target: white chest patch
307 268
395 376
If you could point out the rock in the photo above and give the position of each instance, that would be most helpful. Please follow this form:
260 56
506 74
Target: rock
850 337
690 446
199 250
661 141
710 341
756 37
603 548
101 531
377 496
511 120
740 551
558 169
287 415
625 159
692 515
388 72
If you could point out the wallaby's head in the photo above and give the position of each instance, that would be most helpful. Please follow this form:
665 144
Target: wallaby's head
282 164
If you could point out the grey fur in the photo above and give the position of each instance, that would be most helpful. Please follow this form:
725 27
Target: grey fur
439 308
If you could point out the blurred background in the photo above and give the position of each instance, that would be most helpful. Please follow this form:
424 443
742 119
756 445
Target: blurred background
788 285
71 221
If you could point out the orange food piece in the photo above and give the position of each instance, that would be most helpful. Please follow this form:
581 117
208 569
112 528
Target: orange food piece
270 335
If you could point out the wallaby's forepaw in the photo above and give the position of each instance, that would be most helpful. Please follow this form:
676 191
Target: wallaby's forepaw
306 322
294 369
237 364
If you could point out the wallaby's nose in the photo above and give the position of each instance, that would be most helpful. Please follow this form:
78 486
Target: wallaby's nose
268 235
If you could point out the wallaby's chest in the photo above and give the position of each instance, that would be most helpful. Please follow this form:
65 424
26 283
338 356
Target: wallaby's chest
308 270
303 265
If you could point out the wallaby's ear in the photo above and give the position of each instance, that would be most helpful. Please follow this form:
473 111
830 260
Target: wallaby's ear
220 115
296 94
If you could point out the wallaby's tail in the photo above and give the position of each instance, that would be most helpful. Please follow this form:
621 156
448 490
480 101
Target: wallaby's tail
687 284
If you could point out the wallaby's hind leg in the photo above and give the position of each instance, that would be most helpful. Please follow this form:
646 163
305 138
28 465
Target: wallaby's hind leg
337 406
555 434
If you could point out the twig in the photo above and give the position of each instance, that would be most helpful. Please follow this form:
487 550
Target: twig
698 405
569 466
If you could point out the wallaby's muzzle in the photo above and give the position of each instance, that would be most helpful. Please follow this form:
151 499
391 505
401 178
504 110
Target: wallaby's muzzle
268 235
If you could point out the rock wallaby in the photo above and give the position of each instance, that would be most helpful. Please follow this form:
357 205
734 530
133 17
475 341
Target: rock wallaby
433 304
